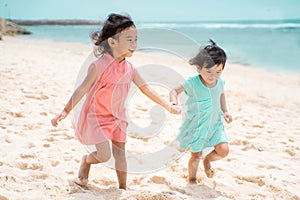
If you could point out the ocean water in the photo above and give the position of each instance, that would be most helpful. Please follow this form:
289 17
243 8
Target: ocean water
273 45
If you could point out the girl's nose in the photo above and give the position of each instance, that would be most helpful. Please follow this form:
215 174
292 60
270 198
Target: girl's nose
134 44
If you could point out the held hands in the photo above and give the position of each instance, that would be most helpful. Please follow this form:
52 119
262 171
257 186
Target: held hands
227 117
174 108
62 115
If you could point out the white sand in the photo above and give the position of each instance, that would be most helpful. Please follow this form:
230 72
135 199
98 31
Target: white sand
38 161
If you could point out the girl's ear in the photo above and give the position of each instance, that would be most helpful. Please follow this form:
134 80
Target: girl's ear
111 42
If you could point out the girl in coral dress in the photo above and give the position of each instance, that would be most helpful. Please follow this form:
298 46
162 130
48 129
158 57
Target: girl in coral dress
102 117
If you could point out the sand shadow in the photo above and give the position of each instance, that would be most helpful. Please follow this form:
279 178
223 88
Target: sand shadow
93 192
201 191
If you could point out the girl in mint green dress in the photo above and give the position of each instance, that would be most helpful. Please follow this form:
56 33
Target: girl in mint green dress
206 107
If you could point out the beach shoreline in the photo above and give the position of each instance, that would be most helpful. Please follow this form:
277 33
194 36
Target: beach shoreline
64 22
38 161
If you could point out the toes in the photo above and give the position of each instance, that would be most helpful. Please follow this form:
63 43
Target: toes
80 181
84 169
210 172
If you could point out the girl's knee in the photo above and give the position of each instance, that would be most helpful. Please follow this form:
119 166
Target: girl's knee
224 153
103 156
103 153
222 149
119 154
118 150
196 155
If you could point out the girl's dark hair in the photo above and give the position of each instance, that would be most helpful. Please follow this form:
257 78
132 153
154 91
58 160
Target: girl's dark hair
209 56
114 24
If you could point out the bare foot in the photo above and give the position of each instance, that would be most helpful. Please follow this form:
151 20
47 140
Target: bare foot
210 172
192 181
83 173
122 187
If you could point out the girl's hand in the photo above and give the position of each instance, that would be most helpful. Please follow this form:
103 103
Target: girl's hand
58 118
227 117
174 108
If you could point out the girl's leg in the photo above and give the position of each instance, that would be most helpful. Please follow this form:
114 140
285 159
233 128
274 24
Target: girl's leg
118 150
221 150
102 154
193 166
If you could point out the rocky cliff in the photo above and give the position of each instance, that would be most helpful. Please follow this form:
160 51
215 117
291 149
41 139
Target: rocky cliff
10 28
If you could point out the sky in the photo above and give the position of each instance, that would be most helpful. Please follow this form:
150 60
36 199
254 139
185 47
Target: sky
152 10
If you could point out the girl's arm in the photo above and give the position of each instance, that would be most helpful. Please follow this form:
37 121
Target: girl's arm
77 95
173 96
149 92
227 116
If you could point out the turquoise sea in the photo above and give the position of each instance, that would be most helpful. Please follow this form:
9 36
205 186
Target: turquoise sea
273 45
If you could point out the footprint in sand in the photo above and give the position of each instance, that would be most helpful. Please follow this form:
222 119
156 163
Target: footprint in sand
50 139
251 136
37 97
69 137
31 145
3 127
290 151
159 180
42 176
25 156
28 166
14 114
253 179
138 180
107 182
8 140
246 145
162 180
269 167
149 195
8 178
257 126
239 142
44 113
46 145
179 189
54 163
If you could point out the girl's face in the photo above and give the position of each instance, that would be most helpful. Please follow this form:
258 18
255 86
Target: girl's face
125 43
210 75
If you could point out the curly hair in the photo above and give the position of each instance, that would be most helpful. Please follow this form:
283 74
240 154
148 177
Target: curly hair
209 56
114 24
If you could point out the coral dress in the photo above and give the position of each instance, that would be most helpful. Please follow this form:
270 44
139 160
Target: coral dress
102 116
202 126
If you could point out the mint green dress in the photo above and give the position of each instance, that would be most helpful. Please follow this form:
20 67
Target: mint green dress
203 125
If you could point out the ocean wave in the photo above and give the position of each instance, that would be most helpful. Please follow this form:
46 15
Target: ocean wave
222 25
